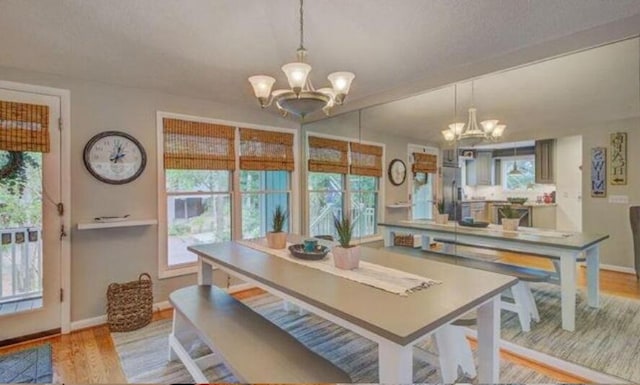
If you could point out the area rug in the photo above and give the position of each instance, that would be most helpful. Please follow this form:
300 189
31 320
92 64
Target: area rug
143 353
606 339
31 365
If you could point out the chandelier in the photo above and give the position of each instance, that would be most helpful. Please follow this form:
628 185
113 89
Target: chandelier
491 130
301 99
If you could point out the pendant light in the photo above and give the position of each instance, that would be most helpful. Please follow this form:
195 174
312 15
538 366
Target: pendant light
515 170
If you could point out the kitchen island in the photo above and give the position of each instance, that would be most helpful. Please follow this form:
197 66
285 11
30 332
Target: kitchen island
567 247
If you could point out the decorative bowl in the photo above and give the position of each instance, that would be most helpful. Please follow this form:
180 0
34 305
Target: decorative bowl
473 224
319 253
517 201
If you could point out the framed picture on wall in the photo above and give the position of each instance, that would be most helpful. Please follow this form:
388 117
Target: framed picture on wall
599 172
618 159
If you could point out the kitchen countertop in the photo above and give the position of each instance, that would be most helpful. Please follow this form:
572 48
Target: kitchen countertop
494 201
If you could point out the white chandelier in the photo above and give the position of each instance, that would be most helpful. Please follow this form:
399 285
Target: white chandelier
301 99
491 130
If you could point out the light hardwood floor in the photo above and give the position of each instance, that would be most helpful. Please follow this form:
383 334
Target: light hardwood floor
89 356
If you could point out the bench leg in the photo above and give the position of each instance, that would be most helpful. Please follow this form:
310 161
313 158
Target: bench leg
533 308
522 301
448 354
179 326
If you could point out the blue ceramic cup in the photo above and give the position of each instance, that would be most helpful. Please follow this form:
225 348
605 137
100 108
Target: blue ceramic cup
310 245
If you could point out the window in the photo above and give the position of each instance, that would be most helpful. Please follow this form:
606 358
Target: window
262 192
220 183
198 211
337 185
521 180
424 168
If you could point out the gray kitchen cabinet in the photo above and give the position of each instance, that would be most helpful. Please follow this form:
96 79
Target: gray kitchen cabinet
544 162
479 170
449 157
465 211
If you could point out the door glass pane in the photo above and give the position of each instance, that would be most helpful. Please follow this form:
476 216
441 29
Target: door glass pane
325 202
422 196
195 219
20 231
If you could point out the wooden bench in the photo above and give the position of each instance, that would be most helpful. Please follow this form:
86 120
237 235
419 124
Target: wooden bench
523 302
250 346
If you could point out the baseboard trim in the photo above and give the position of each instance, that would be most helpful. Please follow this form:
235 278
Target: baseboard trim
555 363
158 306
619 269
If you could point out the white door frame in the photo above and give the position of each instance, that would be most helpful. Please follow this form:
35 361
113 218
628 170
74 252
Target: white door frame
65 188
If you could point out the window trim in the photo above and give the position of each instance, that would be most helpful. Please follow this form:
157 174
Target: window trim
382 181
164 271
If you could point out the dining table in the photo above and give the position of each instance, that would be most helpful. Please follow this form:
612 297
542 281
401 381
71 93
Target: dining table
395 322
566 247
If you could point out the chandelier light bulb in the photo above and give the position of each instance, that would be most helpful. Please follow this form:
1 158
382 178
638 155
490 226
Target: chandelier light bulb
341 83
489 125
456 128
498 130
297 73
449 135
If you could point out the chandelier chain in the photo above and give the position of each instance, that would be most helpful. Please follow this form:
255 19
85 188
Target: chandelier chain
301 26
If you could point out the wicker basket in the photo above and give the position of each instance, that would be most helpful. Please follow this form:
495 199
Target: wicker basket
406 240
130 305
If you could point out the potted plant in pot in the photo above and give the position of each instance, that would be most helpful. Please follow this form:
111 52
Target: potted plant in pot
277 238
345 256
441 217
510 218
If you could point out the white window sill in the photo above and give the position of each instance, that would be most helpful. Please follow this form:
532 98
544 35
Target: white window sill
178 271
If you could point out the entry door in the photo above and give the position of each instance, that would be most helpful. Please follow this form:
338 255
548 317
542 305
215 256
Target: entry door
30 228
421 186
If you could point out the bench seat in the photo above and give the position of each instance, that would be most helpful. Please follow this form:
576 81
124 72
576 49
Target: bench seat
251 347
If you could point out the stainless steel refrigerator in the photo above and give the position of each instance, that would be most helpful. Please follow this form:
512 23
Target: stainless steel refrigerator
452 191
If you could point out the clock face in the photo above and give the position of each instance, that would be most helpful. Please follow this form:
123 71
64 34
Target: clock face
114 157
397 172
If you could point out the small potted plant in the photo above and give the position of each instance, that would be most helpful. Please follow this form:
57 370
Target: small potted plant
441 217
345 256
510 218
277 238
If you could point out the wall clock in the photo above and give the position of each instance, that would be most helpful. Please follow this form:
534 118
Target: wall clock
397 172
114 157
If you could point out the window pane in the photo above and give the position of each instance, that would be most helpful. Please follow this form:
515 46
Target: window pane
264 180
257 213
363 183
363 213
320 181
197 180
195 219
422 197
521 180
322 207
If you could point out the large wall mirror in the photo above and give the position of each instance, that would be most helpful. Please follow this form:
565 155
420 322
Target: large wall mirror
564 164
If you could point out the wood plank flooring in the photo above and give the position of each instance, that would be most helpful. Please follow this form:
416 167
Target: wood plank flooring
89 356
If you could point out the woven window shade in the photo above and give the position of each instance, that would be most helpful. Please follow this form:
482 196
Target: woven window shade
192 145
24 127
328 155
426 163
265 150
366 160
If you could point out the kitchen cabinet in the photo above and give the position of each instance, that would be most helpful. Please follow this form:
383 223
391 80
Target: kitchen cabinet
450 157
466 210
544 216
476 210
544 162
480 169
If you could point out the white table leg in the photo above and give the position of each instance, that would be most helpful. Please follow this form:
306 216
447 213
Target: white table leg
387 234
448 353
395 363
205 272
488 342
568 291
593 276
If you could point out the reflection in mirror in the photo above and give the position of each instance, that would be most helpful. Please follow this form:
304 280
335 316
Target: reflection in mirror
535 196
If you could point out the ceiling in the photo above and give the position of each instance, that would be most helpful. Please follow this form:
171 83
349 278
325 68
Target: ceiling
553 98
208 48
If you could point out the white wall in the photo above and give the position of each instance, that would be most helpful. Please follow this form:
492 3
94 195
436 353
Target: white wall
568 172
100 257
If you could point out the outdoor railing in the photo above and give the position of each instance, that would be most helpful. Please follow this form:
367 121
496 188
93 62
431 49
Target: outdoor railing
20 263
364 221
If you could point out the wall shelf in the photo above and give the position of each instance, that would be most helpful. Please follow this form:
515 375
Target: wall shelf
400 205
106 225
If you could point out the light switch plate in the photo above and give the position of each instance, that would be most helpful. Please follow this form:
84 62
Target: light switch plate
619 199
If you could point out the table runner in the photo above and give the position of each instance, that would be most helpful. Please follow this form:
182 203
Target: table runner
381 277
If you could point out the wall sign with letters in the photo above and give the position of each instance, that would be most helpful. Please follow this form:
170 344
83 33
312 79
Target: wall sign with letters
618 159
599 172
